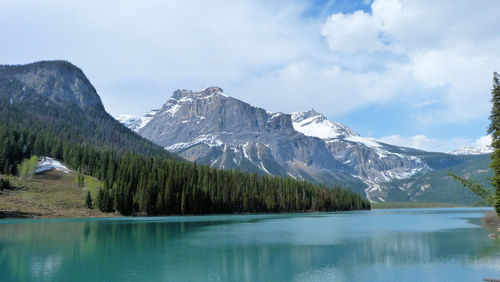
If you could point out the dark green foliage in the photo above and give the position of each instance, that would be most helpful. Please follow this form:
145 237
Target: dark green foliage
88 200
21 107
157 185
436 186
137 175
494 130
4 184
475 187
80 179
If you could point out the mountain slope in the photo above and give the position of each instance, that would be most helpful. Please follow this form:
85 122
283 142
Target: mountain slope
211 128
55 98
50 109
437 186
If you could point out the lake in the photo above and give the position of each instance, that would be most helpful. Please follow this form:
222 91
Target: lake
378 245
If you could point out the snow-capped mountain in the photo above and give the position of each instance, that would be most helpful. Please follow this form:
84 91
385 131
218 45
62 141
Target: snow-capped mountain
127 120
312 123
134 122
373 161
469 150
212 128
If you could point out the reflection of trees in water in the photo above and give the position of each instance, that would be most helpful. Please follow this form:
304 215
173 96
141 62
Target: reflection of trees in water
121 249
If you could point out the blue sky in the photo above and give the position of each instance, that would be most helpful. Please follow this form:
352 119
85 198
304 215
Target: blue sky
412 73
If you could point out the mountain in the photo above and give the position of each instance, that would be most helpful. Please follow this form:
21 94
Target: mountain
210 127
469 150
55 98
57 81
136 123
437 186
51 109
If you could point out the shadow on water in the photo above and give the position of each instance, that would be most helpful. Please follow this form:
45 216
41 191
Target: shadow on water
248 248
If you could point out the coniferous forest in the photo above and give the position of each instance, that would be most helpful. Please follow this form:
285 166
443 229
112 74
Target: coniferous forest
137 176
153 185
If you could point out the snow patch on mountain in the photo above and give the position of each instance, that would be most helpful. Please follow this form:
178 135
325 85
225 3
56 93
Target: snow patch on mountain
210 140
312 123
135 123
127 120
49 163
365 141
469 150
172 108
186 113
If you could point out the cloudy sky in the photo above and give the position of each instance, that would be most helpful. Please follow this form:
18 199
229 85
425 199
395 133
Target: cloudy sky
413 73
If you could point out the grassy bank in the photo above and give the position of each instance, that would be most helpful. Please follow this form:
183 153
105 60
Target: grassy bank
412 205
51 194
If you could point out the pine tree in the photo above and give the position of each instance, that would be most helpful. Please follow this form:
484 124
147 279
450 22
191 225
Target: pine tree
80 179
494 130
88 200
4 184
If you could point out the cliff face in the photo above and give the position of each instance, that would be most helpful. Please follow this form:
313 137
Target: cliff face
211 128
55 97
59 81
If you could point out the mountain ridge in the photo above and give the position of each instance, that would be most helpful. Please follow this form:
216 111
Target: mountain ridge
210 127
57 98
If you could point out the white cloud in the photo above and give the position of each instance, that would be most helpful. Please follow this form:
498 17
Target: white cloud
404 52
447 45
131 49
484 141
361 29
302 85
426 103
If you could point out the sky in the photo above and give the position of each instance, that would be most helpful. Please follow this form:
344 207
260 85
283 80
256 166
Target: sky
405 72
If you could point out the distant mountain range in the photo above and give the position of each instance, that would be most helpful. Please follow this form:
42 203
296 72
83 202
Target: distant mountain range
211 128
51 109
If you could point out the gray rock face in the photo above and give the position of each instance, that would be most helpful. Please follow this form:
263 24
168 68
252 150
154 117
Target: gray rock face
60 81
211 128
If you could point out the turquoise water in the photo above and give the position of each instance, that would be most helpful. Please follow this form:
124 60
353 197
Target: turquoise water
380 245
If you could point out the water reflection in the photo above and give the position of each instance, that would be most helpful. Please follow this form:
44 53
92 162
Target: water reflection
350 246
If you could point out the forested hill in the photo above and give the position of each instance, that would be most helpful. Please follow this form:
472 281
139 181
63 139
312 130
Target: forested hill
55 99
51 109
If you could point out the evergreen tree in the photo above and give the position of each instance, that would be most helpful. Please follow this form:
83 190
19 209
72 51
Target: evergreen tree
88 200
80 179
4 184
494 130
137 183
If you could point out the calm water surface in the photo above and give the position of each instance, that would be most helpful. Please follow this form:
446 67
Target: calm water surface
380 245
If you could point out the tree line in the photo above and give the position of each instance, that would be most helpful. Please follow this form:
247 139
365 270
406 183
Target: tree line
156 185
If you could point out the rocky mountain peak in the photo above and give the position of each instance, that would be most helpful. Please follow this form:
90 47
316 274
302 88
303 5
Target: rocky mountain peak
59 81
181 93
211 90
203 93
